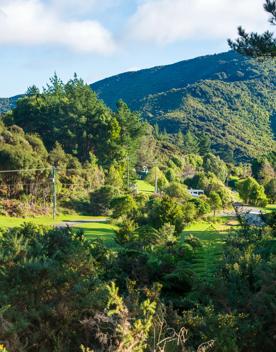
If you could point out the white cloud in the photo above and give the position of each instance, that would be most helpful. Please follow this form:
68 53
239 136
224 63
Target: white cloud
30 22
166 21
82 7
133 69
73 6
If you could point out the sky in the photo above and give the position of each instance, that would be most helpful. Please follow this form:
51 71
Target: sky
100 38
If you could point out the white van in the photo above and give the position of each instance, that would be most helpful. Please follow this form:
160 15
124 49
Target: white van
196 192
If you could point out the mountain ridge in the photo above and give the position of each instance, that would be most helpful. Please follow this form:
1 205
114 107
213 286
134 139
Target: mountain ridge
181 73
227 96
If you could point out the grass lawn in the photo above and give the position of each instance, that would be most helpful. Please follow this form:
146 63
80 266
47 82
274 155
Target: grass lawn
207 232
92 230
204 265
271 207
213 237
104 232
144 186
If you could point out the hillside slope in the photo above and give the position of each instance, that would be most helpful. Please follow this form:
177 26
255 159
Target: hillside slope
228 96
7 104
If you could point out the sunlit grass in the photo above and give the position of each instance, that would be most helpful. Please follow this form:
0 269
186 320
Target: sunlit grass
271 207
92 230
144 186
213 237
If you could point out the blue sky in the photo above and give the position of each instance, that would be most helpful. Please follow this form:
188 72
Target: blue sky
99 38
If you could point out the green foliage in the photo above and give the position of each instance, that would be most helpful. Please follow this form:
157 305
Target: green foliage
114 177
101 199
215 201
180 139
170 174
263 171
48 286
177 190
214 164
176 161
227 97
154 173
7 104
165 210
132 335
210 183
205 145
254 44
202 206
190 212
22 151
132 131
72 115
190 144
123 206
252 192
270 190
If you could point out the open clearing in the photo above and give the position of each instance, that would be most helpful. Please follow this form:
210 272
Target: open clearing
144 186
213 236
93 227
100 228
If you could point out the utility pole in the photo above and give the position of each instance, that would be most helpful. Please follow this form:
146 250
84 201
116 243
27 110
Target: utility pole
128 174
156 181
54 193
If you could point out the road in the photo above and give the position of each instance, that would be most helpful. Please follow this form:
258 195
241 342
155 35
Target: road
75 223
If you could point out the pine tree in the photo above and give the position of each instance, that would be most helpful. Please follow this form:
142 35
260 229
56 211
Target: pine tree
204 145
254 44
190 143
180 139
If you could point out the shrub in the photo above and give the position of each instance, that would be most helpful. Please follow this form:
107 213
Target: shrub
100 200
177 190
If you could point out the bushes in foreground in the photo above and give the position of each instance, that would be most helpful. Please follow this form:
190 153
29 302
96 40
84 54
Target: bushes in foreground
57 295
60 292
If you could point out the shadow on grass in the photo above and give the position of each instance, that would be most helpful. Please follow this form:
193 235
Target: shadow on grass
92 221
219 236
105 234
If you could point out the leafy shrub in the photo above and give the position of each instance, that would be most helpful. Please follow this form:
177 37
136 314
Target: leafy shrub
100 200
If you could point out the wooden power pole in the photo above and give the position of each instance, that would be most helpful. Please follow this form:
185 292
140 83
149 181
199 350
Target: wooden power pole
54 193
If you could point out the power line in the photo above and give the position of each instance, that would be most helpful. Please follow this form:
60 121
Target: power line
23 170
42 169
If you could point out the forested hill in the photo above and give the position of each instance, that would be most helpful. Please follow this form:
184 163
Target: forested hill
134 86
228 96
8 103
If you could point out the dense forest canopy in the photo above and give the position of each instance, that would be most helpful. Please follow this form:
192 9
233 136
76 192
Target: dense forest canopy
72 115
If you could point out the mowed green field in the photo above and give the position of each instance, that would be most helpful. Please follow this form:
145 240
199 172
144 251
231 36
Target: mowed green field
8 221
144 186
204 265
98 227
271 207
93 227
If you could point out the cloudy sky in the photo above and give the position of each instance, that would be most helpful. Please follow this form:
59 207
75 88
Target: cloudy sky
99 38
